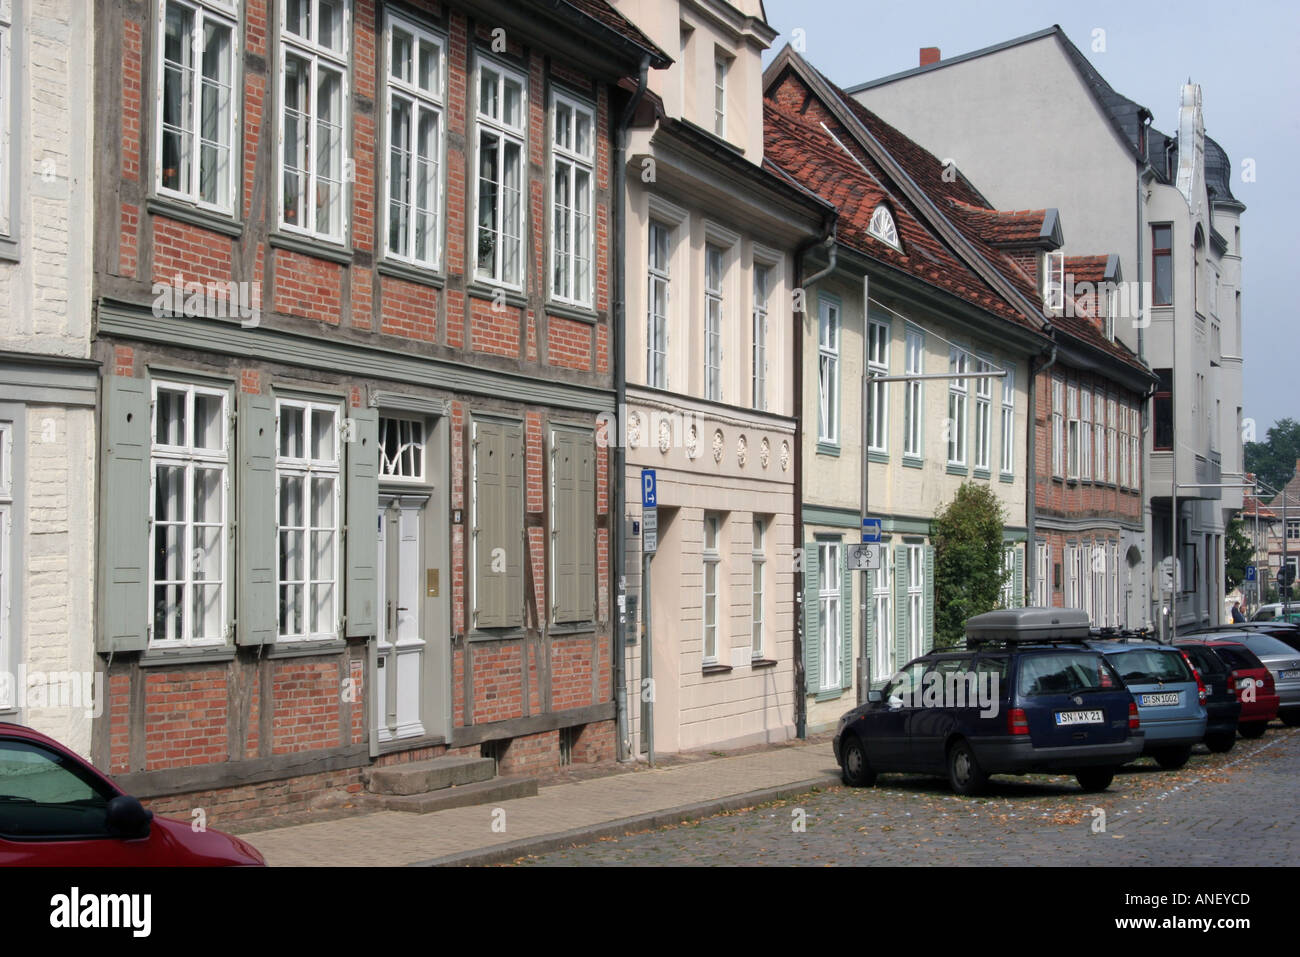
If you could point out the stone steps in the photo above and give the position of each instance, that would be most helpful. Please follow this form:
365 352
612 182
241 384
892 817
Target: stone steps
419 777
479 792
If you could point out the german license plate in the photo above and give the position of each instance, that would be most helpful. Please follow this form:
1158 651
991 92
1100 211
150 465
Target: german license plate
1284 675
1159 700
1079 717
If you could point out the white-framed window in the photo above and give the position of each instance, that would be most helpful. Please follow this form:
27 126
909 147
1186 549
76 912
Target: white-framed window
197 103
1123 444
828 371
1009 422
958 396
1099 436
1058 427
714 273
401 449
1135 449
307 491
1085 434
1100 590
414 118
1293 530
913 410
882 619
829 618
1074 576
1112 570
877 392
712 559
758 374
573 192
1008 595
1110 440
189 515
721 66
758 561
983 416
883 228
1084 575
657 311
7 700
1072 433
1054 281
915 601
1112 309
313 116
6 113
499 160
1042 573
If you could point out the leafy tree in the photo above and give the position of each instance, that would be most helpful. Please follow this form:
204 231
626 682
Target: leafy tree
1273 460
968 572
1238 552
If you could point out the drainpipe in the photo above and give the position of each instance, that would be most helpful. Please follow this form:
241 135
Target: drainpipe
827 239
1145 118
1031 465
617 507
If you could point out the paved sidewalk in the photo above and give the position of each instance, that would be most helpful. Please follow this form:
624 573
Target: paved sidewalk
557 816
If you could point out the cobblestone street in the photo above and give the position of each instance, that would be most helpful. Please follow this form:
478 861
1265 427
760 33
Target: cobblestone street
1224 809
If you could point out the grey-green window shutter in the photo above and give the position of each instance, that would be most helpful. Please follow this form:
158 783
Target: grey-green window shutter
812 631
489 585
1018 582
256 602
566 528
513 523
362 490
929 598
868 597
585 454
846 629
126 543
900 608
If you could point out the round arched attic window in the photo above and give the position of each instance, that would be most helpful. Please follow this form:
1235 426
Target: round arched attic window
882 227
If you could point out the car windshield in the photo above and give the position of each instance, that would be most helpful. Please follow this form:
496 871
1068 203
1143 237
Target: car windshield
1065 673
1267 645
1148 665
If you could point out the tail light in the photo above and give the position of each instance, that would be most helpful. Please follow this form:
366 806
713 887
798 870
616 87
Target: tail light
1134 722
1103 677
1201 693
1017 723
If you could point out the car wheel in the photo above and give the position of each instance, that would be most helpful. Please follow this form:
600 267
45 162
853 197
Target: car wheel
1171 759
1095 779
1253 729
964 772
1290 718
1220 743
856 772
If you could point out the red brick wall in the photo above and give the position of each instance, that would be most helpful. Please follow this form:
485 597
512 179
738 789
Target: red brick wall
185 717
307 695
132 69
191 252
308 287
407 309
494 328
497 681
568 343
571 667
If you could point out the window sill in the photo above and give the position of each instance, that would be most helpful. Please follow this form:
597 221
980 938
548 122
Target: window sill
828 448
716 669
302 649
194 215
512 297
983 474
830 694
424 275
763 663
1004 477
957 469
576 313
158 657
881 458
8 249
913 463
310 246
497 634
572 628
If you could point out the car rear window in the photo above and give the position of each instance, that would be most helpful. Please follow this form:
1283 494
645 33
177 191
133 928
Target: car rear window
1064 673
1267 645
1142 665
1206 662
1237 658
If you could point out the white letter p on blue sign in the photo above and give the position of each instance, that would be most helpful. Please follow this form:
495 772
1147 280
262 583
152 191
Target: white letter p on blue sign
648 498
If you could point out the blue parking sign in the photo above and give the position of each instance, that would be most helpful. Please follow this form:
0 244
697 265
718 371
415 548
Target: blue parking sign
1251 573
649 496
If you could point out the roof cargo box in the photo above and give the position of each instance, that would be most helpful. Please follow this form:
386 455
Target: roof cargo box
1028 624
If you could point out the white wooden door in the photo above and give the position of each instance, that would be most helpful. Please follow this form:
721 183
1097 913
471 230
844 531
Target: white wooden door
401 644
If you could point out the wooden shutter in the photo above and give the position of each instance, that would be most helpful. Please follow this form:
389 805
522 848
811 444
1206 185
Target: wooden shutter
812 632
846 614
512 523
256 549
585 452
900 608
1018 596
868 598
126 546
565 528
928 634
488 584
362 491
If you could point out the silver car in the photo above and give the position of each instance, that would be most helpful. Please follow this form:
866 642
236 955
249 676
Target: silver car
1279 658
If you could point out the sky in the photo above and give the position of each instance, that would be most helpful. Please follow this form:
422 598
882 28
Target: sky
1243 56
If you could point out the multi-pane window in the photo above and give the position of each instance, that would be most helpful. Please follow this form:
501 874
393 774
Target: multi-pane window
1009 422
913 364
1112 571
1162 411
877 392
307 518
657 312
915 600
958 396
197 106
720 67
712 564
759 563
190 475
500 162
1110 440
313 98
882 619
1054 281
1135 448
413 177
882 226
1085 437
1041 570
1123 444
1293 530
983 416
829 618
713 273
1072 433
573 159
1058 428
1162 265
1099 435
1074 576
401 449
1008 594
762 275
828 372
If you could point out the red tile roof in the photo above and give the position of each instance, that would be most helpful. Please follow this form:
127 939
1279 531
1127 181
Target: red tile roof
1087 268
999 227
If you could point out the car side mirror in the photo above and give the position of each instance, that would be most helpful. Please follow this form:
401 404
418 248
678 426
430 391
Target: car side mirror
875 697
128 818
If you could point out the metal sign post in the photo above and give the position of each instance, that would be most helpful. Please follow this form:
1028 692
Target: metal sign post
649 545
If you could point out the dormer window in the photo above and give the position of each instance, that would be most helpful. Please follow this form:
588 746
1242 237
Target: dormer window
1054 281
882 227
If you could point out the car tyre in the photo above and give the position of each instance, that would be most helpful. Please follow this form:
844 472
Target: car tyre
1253 729
964 772
1093 780
1220 743
856 772
1290 718
1171 759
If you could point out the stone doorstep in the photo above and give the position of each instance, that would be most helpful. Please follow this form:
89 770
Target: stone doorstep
479 792
420 777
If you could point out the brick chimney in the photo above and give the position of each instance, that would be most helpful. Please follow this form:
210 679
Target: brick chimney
929 55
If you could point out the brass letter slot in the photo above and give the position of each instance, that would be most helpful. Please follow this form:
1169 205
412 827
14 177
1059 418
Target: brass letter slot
431 582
